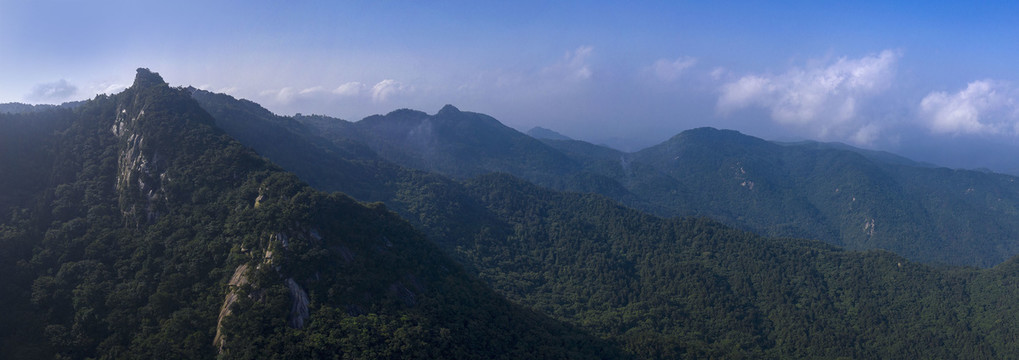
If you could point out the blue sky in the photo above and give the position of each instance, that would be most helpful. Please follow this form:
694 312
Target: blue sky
930 80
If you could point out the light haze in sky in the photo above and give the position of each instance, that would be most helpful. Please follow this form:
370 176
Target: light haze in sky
934 81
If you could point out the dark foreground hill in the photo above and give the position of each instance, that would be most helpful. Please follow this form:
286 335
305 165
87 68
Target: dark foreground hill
668 288
134 228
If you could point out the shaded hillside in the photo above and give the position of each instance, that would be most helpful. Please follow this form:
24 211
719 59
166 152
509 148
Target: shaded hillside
149 233
670 288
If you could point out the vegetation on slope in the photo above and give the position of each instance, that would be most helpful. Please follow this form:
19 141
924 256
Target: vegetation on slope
153 234
668 288
847 197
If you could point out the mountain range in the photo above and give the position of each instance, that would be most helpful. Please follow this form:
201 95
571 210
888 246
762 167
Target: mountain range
848 197
178 223
144 231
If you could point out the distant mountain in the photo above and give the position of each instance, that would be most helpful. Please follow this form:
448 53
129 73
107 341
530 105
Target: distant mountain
139 229
878 156
19 108
462 145
846 196
538 132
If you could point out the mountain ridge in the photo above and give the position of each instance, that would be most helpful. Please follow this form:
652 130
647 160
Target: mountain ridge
667 287
157 235
775 189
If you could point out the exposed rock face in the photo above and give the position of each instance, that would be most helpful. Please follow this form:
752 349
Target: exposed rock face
239 278
299 305
141 170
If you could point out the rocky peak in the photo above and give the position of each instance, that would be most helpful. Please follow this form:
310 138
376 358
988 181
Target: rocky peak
146 78
448 110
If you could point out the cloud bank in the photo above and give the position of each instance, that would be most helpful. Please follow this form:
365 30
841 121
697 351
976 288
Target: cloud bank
669 70
386 89
574 65
381 92
56 91
983 107
352 88
824 99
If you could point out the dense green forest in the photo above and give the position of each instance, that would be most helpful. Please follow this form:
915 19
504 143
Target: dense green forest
134 228
693 287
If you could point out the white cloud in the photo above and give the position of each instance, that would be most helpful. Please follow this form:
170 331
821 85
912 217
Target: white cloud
866 134
284 96
52 92
669 70
984 106
229 90
111 88
312 90
574 65
718 73
823 99
352 88
380 92
387 88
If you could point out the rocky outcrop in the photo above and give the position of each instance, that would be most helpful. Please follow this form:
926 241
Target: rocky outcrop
298 306
240 277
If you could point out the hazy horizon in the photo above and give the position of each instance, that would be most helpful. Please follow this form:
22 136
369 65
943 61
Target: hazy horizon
930 81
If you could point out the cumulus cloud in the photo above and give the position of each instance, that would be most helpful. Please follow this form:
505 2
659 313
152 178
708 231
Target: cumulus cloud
111 88
284 96
352 88
866 134
718 72
380 92
384 89
52 92
984 106
574 64
312 90
825 98
669 70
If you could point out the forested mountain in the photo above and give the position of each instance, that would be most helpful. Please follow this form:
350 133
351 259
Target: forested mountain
693 287
850 199
133 227
20 108
539 132
666 288
844 196
463 144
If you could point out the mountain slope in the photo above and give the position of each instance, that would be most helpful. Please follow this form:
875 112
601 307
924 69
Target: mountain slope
667 288
153 234
541 133
696 288
844 196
